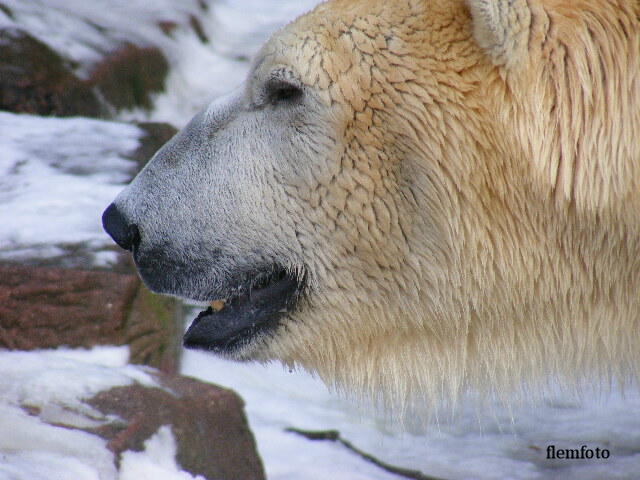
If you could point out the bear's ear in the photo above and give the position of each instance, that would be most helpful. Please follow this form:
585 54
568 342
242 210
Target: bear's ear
501 28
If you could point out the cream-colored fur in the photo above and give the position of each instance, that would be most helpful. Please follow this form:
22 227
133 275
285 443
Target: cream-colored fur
458 183
480 228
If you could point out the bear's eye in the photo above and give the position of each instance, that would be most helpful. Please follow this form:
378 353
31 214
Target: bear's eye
282 91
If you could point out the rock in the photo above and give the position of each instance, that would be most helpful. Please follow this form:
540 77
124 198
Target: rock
35 79
155 136
212 435
44 307
167 27
127 77
7 11
198 29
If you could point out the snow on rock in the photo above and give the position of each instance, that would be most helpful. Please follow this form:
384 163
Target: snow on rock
63 377
56 177
211 434
85 31
35 79
157 461
41 391
66 415
201 68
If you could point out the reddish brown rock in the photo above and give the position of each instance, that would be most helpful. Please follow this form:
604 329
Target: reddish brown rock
208 422
35 79
155 136
7 11
167 27
128 76
198 29
43 307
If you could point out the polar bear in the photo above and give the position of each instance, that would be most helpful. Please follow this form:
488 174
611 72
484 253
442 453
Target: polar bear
412 198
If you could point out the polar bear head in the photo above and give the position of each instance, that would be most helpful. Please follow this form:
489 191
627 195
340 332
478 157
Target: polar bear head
412 197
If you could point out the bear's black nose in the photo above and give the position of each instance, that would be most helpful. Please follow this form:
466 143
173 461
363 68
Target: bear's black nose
124 234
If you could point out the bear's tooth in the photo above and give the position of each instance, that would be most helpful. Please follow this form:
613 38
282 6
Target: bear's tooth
217 305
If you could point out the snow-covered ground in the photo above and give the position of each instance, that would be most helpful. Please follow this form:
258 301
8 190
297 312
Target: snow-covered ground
52 192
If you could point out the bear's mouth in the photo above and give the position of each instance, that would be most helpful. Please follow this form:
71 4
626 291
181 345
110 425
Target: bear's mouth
255 308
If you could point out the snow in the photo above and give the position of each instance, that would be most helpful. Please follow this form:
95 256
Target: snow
52 384
157 461
57 176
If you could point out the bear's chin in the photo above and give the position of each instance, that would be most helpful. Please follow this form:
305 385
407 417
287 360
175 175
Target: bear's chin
235 322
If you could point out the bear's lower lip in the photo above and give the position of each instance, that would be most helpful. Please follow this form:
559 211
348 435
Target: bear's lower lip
244 316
